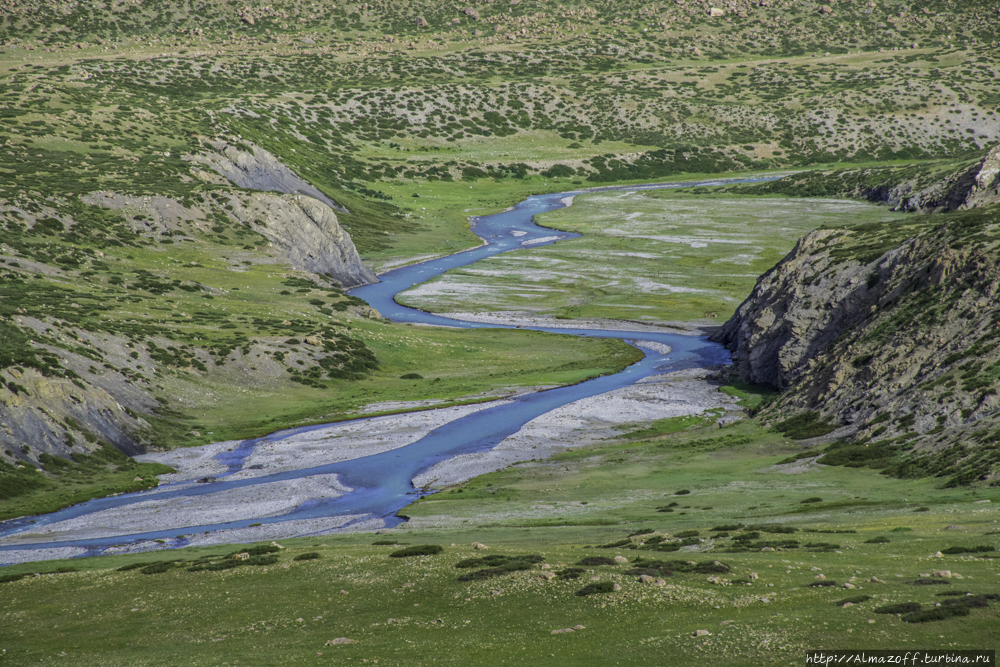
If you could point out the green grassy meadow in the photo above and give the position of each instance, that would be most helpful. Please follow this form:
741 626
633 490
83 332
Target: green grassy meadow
685 499
653 255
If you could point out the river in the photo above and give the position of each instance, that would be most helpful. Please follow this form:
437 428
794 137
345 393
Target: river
380 484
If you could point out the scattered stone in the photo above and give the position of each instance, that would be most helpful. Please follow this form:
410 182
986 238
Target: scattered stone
342 592
621 560
954 527
702 633
137 479
768 549
646 579
242 556
547 576
753 576
826 9
616 587
660 582
561 631
849 586
876 580
275 544
716 12
846 605
339 641
821 576
479 545
726 622
471 13
937 554
313 340
944 574
421 22
579 627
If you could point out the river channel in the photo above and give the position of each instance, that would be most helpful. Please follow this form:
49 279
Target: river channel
379 484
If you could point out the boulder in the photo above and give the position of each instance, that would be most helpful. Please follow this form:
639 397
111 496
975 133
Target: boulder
339 641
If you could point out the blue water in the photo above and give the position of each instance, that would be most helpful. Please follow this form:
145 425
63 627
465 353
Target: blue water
381 482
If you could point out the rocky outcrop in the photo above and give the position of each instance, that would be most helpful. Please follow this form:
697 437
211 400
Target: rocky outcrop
257 170
979 185
301 230
305 232
898 344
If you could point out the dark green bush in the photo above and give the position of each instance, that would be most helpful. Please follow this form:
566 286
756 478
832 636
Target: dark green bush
592 589
932 582
814 499
312 555
157 567
570 573
596 560
878 540
936 614
805 425
981 549
900 608
12 577
823 583
418 550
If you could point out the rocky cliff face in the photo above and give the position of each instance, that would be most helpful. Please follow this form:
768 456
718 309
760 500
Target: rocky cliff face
979 185
305 232
892 339
257 169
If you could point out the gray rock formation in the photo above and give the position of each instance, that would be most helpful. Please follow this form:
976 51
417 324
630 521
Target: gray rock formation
904 344
305 232
258 170
977 186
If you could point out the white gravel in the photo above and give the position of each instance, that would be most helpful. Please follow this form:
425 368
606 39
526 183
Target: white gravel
248 502
191 463
528 319
585 422
30 555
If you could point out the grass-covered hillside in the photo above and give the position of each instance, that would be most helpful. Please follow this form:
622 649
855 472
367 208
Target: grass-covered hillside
153 298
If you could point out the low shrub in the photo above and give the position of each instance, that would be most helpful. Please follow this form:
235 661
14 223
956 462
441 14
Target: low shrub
981 549
936 614
158 567
932 582
823 583
687 533
899 608
387 543
727 527
878 540
570 573
312 555
593 589
597 560
12 577
970 601
418 550
814 499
